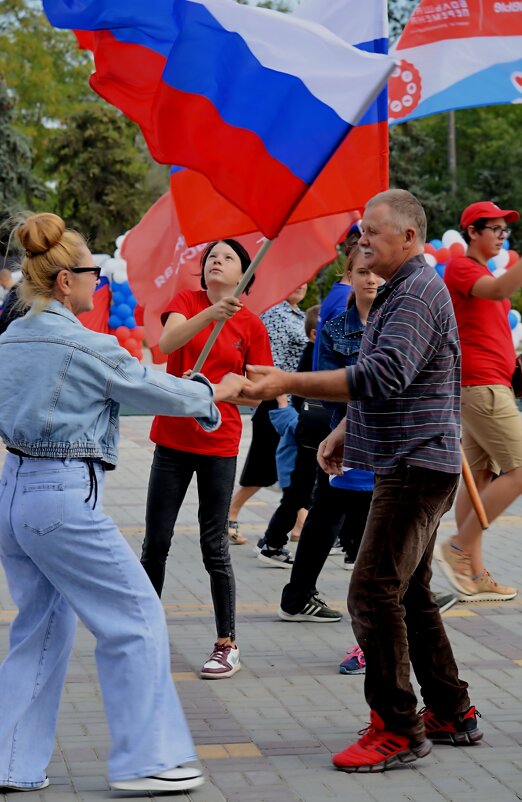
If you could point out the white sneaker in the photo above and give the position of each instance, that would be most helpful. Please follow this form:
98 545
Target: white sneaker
222 663
15 787
173 780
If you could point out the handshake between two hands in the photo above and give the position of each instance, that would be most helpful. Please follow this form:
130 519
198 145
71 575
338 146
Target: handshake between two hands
262 384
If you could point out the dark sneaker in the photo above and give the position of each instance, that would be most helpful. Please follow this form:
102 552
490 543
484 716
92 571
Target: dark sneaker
354 662
348 563
315 610
277 558
222 663
259 545
445 601
378 749
461 731
171 781
336 548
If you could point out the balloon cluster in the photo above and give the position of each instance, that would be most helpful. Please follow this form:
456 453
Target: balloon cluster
439 251
122 321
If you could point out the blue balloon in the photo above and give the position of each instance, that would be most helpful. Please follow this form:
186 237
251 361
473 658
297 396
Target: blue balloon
491 265
130 322
436 243
440 269
513 320
132 302
505 245
114 322
124 287
118 298
123 311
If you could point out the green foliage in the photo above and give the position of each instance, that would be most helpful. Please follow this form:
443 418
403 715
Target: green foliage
46 70
99 174
489 163
17 184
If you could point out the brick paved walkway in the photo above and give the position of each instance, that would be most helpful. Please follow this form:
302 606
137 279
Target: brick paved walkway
267 734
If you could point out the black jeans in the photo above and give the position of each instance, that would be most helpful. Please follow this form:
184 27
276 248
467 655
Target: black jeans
170 477
295 496
394 616
333 512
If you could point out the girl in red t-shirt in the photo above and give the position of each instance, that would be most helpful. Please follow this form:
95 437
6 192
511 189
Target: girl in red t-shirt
183 449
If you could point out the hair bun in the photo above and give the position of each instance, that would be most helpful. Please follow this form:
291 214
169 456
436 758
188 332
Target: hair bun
40 232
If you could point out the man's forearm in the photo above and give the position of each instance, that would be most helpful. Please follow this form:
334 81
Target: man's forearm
326 385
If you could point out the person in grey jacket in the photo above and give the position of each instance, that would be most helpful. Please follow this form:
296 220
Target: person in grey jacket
60 390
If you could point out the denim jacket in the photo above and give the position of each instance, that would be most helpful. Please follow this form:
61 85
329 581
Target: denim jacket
339 347
61 386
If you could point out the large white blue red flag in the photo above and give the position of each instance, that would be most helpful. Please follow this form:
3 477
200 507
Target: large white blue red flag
255 100
357 170
457 54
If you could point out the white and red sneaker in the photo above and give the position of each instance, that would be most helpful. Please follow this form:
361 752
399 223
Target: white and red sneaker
222 663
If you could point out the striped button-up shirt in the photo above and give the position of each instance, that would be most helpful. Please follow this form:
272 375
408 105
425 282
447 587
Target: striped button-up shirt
406 385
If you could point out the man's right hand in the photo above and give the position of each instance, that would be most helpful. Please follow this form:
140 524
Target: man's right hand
330 451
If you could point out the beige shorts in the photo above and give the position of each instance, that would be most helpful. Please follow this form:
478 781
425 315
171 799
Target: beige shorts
491 428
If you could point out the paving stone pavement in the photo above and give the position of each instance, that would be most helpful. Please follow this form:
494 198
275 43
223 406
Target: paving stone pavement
267 734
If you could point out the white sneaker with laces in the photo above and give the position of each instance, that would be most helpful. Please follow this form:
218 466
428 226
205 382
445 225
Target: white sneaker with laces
222 663
171 781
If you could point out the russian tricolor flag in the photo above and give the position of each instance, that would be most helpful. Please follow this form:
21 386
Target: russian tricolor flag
255 100
357 170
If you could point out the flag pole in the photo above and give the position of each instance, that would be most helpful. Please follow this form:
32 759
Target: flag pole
254 264
474 496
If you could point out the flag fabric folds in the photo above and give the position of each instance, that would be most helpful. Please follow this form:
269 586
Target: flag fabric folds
255 100
357 170
160 263
454 55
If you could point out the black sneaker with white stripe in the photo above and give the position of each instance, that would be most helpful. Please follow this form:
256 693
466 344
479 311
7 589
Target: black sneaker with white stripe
314 610
277 558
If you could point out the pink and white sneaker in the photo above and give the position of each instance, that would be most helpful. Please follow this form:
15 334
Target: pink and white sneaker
222 663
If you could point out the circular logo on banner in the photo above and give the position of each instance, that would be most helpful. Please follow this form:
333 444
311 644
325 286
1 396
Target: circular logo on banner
404 90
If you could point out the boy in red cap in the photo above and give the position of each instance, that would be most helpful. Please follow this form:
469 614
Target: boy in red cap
491 422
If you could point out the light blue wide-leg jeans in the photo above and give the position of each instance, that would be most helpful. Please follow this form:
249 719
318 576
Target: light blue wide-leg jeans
63 559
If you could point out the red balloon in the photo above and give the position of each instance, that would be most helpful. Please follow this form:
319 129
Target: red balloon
123 334
429 249
138 314
513 257
457 249
442 255
138 333
132 345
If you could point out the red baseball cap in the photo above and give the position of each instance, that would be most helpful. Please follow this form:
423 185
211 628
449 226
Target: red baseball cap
488 210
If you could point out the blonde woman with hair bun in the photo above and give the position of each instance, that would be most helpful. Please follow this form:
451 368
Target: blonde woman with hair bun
60 390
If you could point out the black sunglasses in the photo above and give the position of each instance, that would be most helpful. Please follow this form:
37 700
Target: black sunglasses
95 270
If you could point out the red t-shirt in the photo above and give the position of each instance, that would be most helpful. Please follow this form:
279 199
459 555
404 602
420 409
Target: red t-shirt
488 353
243 340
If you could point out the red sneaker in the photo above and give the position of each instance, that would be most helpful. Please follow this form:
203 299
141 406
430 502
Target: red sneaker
378 749
462 731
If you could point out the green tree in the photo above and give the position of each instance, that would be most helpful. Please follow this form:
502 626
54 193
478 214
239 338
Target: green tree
99 175
17 184
46 71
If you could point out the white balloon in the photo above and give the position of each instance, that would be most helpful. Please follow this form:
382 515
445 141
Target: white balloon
516 314
501 259
119 240
451 236
517 334
430 259
498 272
117 254
120 275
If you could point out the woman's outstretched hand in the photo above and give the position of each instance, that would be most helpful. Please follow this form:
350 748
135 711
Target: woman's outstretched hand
231 387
